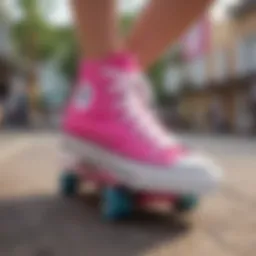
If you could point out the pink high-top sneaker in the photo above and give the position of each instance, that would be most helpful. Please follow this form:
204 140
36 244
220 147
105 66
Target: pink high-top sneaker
110 123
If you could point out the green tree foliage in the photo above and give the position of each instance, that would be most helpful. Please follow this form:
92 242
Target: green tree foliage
36 39
69 51
2 11
33 36
156 74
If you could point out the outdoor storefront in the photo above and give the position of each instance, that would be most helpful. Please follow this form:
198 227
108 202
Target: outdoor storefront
219 107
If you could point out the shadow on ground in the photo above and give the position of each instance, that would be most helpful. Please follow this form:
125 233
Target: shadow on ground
53 226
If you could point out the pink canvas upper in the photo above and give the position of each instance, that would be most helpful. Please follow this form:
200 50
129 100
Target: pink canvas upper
110 107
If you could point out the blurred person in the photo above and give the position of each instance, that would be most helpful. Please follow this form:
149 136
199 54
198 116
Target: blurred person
109 120
216 116
4 93
17 105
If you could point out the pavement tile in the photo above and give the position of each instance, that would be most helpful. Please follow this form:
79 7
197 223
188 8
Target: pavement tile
196 243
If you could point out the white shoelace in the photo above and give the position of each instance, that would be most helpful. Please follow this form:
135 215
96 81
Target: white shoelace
135 102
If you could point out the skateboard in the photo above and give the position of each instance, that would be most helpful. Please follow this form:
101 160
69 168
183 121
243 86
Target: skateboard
117 200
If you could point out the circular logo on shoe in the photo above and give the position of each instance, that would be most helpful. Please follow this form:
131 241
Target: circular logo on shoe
83 96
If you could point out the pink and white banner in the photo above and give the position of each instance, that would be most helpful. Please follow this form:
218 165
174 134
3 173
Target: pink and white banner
196 42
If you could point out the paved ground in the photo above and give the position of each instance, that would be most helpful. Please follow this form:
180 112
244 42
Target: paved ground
34 221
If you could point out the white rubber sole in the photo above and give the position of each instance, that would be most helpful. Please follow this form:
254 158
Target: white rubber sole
193 175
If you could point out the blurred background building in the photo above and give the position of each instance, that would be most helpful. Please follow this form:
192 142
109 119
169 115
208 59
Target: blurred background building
215 78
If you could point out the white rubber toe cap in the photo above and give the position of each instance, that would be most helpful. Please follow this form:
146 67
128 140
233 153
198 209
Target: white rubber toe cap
198 174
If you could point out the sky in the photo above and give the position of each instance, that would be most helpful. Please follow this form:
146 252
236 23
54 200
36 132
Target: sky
61 12
62 15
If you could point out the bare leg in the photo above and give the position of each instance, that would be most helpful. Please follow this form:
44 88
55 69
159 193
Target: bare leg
97 27
161 23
